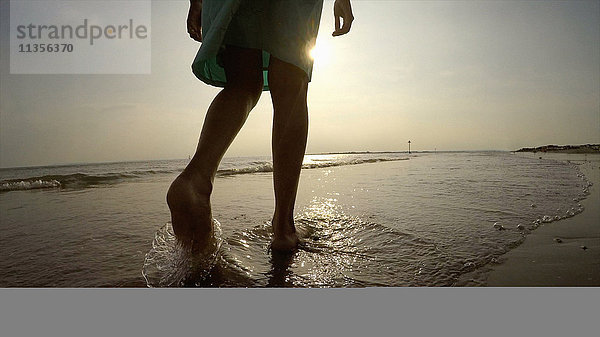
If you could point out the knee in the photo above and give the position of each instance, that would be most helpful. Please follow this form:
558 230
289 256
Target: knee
253 90
250 89
286 80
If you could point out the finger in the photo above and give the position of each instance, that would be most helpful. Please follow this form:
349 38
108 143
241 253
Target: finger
194 21
195 34
191 25
337 24
194 31
345 13
344 29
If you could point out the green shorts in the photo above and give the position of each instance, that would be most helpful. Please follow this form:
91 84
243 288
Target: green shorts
286 29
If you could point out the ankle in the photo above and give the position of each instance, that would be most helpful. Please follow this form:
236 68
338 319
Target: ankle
201 183
283 226
288 242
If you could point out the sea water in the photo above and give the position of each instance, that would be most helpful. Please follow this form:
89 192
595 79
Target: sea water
365 219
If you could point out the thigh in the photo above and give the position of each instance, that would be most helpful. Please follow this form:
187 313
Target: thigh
243 66
286 79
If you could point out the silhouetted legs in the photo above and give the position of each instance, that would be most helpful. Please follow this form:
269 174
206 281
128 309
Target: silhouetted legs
189 195
288 85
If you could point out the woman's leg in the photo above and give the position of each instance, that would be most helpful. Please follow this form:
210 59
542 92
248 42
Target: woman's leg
189 195
289 86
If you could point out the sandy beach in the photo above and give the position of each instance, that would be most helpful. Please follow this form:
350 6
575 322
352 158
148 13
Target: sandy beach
542 261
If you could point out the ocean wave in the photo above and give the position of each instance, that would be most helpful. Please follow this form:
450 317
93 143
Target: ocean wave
351 162
29 184
267 166
254 167
83 180
74 180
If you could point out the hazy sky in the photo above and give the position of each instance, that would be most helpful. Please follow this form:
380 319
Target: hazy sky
451 75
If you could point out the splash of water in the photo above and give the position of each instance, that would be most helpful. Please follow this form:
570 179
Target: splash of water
169 264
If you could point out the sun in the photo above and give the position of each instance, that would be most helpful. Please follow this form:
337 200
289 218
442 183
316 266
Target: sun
319 52
314 52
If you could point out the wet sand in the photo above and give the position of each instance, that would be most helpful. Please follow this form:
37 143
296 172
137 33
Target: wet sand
542 261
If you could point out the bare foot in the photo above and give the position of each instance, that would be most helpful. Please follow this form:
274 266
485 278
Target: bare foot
191 218
285 242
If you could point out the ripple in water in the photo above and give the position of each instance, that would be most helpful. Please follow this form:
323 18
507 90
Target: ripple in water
337 250
437 230
169 264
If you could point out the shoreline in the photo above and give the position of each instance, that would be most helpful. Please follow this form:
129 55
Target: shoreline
571 149
541 261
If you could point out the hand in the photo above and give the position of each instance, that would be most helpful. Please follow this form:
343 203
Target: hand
194 20
342 9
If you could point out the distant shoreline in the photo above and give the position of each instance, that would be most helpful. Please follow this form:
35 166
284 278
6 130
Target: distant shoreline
597 150
587 148
355 152
411 152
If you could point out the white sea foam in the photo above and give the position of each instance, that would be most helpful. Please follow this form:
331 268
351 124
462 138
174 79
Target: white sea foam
169 264
28 185
90 175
